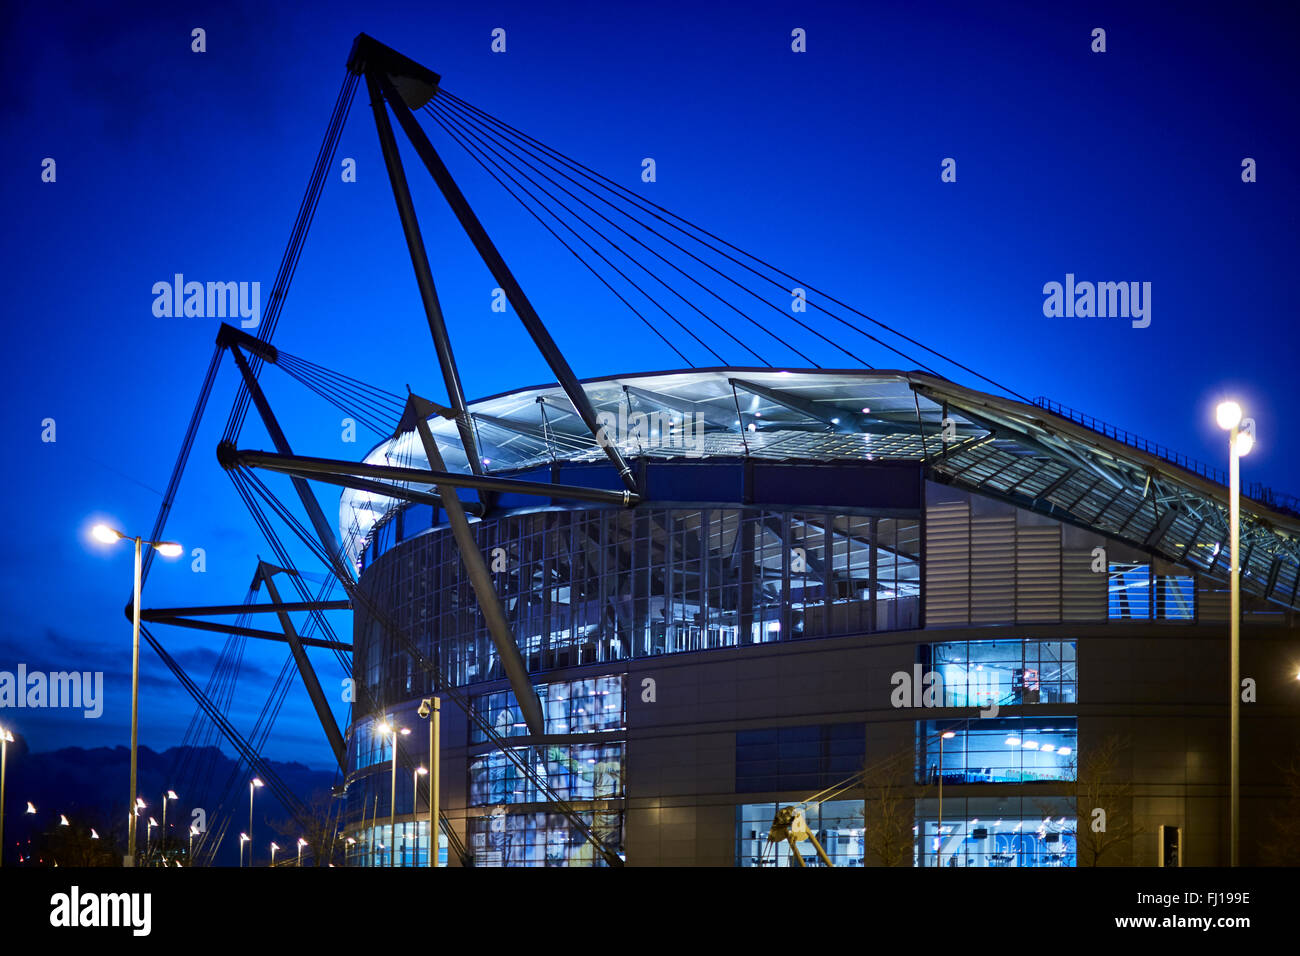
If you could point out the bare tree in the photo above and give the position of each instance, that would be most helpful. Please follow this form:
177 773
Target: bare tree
1102 803
321 833
888 796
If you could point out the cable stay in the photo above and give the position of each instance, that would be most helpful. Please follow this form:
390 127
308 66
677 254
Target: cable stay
467 112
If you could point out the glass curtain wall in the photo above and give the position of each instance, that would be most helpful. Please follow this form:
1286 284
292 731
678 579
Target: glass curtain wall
592 586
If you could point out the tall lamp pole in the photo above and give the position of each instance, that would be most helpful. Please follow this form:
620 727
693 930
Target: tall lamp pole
169 795
389 730
415 801
252 788
168 549
1228 416
938 854
431 710
6 739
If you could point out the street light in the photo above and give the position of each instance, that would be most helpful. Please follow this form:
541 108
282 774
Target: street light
6 738
169 795
194 831
938 853
301 843
415 802
1228 416
253 785
274 846
147 834
390 731
243 838
431 710
168 549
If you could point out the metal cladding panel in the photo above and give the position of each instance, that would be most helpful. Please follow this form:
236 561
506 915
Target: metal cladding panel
1038 574
993 552
894 487
947 564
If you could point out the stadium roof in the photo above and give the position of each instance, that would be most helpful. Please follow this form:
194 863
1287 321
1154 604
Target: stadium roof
1039 456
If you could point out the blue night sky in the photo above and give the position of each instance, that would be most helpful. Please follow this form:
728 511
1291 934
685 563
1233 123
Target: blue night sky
1117 166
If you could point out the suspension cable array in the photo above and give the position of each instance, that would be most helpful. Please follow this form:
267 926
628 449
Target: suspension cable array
525 166
672 275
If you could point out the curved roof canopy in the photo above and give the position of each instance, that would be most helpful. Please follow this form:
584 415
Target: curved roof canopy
1040 457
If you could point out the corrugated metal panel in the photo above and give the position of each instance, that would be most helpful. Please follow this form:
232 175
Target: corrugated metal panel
1084 593
1038 573
947 564
992 570
1212 600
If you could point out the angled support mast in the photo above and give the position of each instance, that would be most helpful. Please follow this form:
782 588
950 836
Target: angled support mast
232 339
265 574
404 84
420 262
471 556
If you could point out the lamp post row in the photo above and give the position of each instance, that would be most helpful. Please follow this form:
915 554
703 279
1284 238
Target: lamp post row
1228 415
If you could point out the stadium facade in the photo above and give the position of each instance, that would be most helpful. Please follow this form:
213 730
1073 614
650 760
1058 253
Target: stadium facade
810 548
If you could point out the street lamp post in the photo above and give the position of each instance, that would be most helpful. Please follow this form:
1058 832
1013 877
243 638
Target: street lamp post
391 731
194 831
6 738
938 853
243 838
274 846
431 710
169 795
169 549
301 843
252 788
148 834
415 802
1228 416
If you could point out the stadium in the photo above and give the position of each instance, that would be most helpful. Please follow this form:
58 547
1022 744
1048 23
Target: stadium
746 614
733 642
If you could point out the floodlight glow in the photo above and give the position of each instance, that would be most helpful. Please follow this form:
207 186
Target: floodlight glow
1228 415
102 532
169 549
1245 442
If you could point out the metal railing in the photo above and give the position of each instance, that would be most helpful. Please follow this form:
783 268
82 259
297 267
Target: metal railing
1256 491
